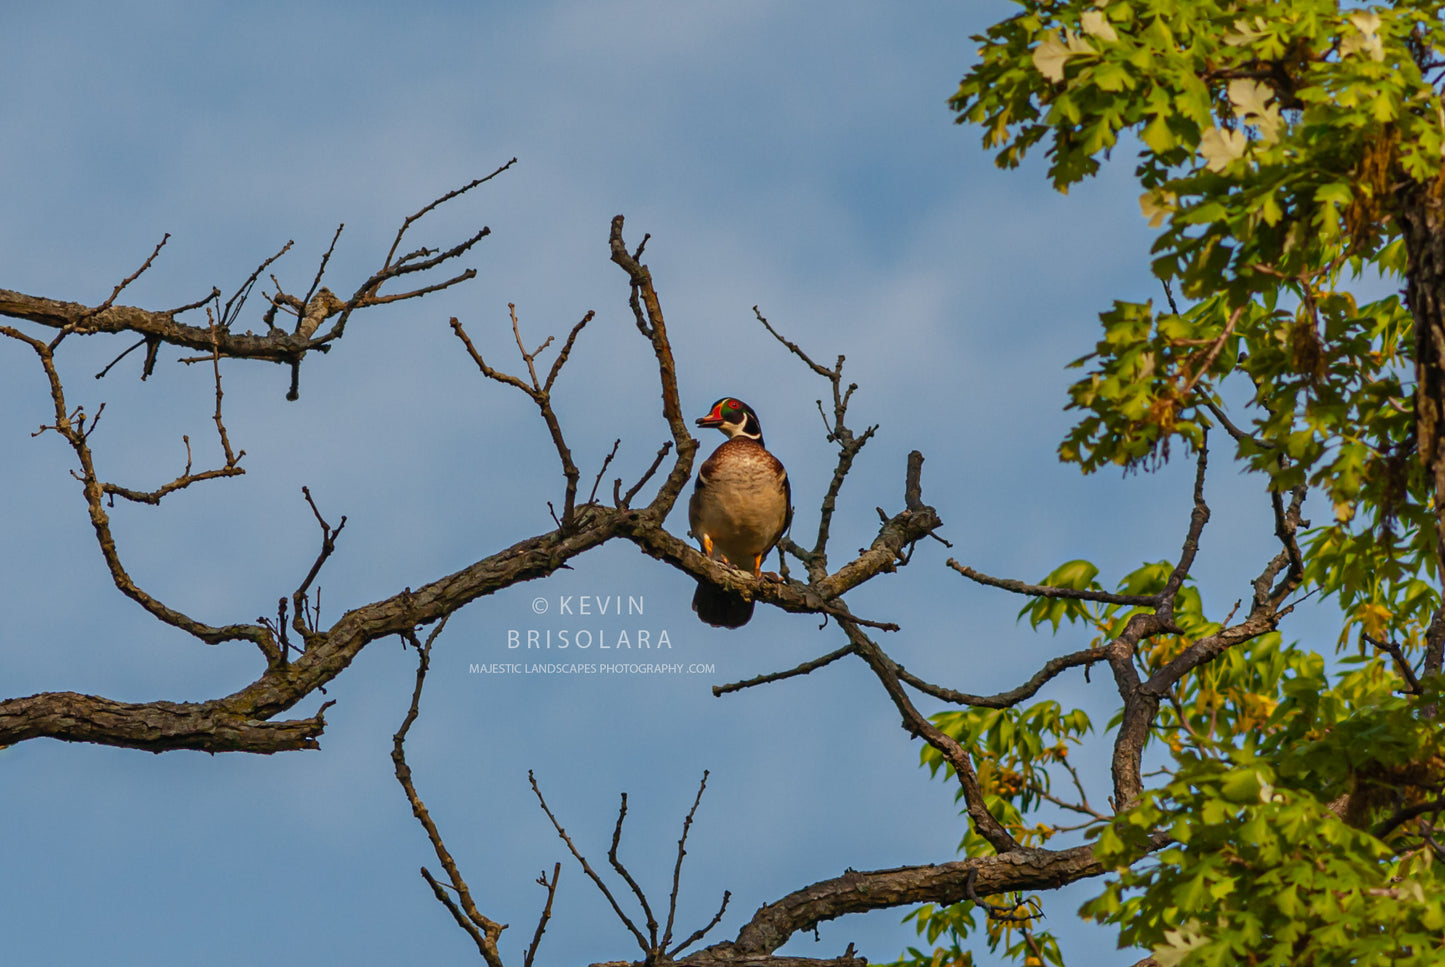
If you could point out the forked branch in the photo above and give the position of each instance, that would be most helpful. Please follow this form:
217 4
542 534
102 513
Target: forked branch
540 394
655 948
483 930
221 338
815 559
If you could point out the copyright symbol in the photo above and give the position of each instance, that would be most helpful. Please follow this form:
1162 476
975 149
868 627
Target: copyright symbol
539 605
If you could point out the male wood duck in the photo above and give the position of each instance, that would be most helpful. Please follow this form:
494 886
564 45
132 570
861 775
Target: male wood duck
740 508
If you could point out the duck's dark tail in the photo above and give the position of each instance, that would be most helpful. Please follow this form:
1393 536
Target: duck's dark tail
720 607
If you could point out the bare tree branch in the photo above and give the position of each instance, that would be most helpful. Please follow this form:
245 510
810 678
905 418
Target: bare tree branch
626 500
1051 592
626 876
220 339
815 559
541 395
984 821
121 286
654 327
71 427
1013 696
551 887
411 219
859 892
482 930
587 867
677 875
803 669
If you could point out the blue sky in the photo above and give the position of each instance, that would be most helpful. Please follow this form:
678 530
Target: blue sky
797 157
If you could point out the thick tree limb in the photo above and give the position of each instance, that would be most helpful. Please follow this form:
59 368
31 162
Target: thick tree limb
1421 216
217 726
859 892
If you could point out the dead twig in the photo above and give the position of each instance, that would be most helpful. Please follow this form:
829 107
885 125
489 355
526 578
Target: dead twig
121 286
803 669
483 930
626 499
299 598
541 395
587 867
551 887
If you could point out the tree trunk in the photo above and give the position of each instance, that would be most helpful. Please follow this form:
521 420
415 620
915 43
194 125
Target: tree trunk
1422 219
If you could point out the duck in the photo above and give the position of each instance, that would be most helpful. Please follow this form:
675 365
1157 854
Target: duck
741 507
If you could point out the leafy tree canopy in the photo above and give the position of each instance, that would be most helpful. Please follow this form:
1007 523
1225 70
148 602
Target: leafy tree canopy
1290 152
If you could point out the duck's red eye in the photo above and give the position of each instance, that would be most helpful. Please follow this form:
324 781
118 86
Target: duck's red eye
733 404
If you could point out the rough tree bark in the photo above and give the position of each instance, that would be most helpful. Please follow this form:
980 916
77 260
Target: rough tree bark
1421 213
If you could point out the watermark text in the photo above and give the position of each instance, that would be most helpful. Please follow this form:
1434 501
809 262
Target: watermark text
591 668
